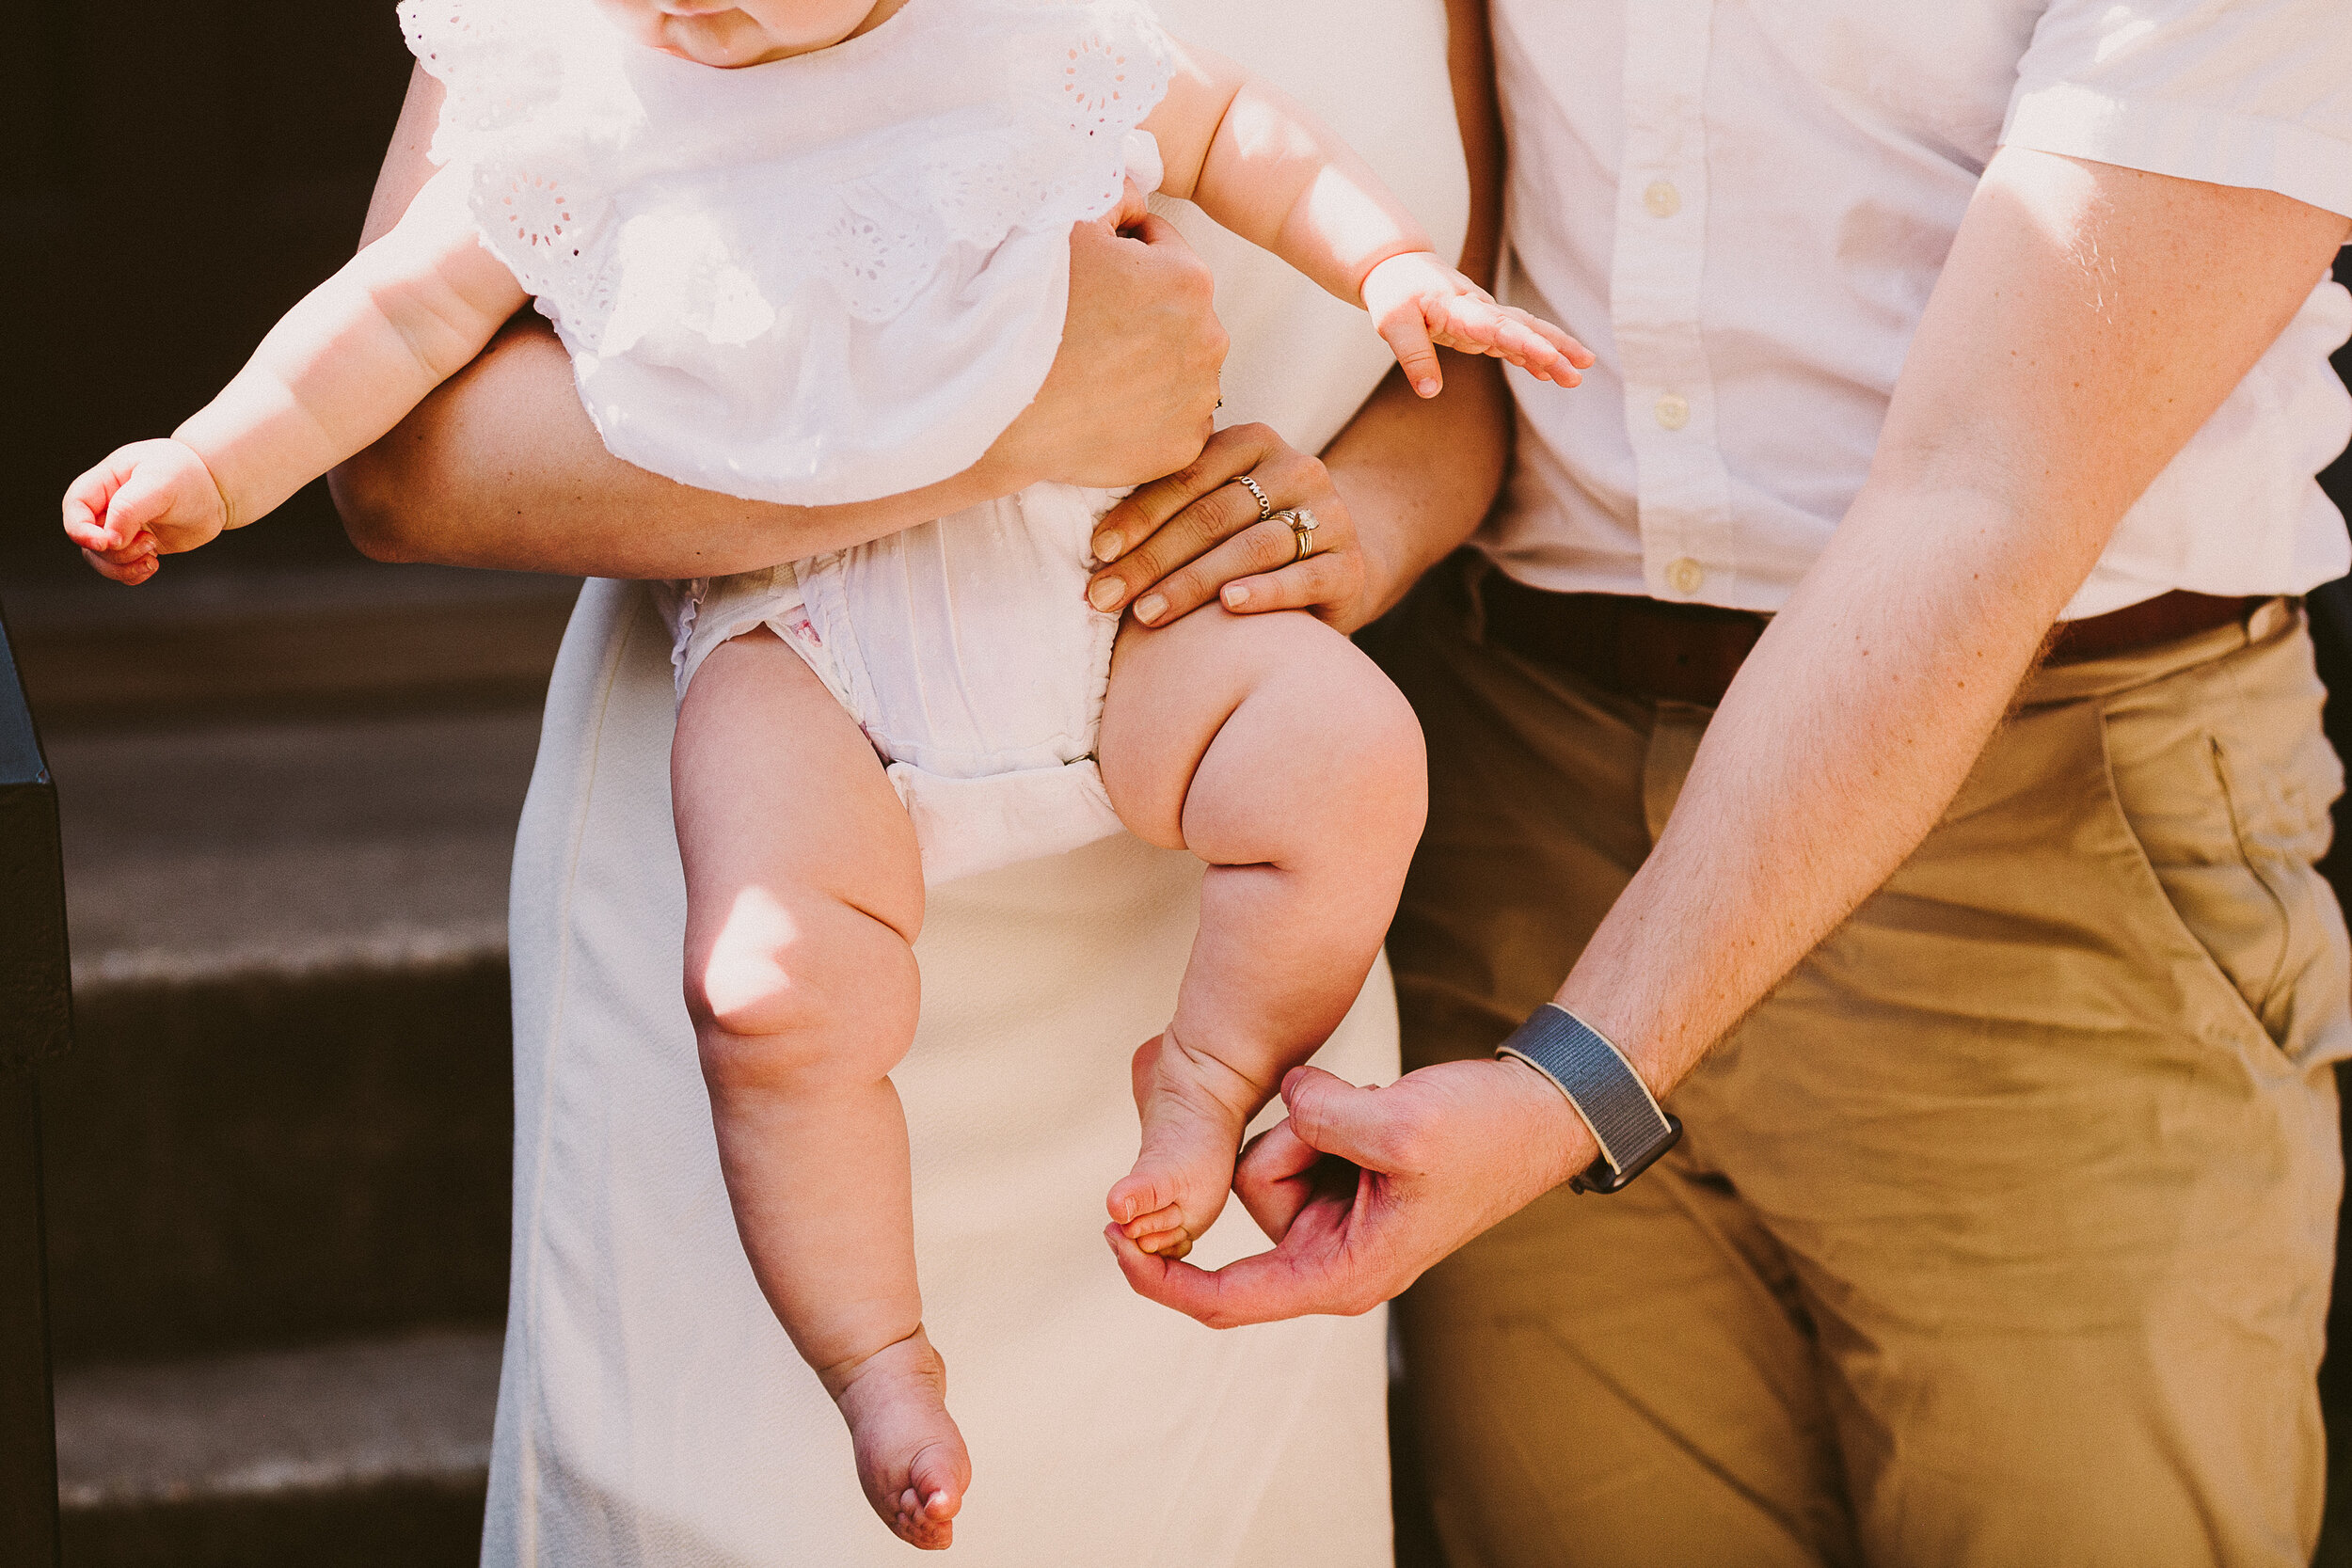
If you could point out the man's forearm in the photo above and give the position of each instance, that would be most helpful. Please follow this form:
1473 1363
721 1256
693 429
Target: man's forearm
1848 732
2046 388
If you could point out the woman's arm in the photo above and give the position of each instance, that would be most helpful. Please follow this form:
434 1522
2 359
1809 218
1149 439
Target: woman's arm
2088 320
501 468
1395 492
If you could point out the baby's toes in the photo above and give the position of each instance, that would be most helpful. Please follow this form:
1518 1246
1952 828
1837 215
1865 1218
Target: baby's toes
936 1479
1142 1192
1171 1243
916 1527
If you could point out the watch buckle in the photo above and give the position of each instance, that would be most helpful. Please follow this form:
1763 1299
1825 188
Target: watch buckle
1602 1177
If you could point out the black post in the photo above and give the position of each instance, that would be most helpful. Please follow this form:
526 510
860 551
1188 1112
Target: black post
36 1024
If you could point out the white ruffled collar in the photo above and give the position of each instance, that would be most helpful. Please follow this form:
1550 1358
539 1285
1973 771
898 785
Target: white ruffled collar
732 247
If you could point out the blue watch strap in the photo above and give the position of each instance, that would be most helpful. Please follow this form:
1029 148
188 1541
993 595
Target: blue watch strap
1605 1091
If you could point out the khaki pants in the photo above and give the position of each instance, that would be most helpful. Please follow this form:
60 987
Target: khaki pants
2001 1234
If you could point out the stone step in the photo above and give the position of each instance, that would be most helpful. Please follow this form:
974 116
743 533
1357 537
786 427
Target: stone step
287 1114
354 1455
274 641
288 798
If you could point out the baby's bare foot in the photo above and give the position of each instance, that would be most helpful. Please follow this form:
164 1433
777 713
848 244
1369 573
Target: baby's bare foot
1194 1108
910 1459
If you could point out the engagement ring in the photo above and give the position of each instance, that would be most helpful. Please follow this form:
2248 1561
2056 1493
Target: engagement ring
1302 523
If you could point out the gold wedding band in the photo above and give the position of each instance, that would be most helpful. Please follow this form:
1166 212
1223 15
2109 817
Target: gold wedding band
1302 523
1266 507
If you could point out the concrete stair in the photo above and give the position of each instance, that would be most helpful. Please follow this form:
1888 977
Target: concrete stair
278 1156
358 1453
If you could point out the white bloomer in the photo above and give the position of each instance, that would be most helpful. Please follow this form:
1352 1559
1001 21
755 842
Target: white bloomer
966 651
826 279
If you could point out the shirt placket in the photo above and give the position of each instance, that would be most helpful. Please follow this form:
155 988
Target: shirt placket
1681 486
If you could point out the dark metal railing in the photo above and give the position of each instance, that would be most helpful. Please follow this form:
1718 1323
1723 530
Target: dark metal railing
36 1025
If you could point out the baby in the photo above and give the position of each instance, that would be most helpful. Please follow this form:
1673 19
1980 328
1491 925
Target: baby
815 251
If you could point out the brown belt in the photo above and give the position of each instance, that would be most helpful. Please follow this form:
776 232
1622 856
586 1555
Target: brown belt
1688 653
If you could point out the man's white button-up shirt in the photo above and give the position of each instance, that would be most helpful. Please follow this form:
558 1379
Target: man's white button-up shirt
1741 206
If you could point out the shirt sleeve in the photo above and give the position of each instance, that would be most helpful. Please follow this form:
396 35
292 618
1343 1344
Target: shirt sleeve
2254 93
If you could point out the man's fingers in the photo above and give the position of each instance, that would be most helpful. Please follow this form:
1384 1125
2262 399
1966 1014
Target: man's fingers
1273 1178
1356 1124
1263 1287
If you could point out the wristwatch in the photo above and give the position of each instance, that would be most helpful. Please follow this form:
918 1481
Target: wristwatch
1605 1091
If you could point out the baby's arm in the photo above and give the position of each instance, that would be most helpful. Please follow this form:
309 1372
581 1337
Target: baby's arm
1265 168
343 367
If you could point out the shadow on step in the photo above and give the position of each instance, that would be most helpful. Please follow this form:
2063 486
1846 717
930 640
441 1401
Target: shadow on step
396 1526
280 1160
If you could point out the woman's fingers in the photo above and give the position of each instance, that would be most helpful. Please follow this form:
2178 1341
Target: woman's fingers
1259 549
1149 508
1158 576
1310 584
1175 543
1175 520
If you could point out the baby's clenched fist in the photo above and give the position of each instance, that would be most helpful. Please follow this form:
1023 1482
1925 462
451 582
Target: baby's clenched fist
148 499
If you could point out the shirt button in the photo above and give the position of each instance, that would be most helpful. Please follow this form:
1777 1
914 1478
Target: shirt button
1662 199
1674 411
1685 575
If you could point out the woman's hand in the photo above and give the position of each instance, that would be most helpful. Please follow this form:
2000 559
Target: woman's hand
1177 542
1132 389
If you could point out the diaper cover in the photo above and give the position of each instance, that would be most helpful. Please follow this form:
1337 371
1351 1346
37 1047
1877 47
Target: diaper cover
966 652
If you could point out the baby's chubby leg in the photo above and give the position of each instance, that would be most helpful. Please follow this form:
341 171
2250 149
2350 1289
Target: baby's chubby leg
804 894
1274 750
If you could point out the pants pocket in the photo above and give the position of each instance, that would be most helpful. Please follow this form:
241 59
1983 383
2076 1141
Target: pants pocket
2227 794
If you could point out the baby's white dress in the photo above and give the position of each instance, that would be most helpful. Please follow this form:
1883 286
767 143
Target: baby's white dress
831 279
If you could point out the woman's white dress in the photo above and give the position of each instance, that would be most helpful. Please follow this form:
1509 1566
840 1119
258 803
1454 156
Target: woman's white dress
652 1411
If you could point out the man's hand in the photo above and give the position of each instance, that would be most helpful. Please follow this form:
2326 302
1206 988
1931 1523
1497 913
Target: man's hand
1363 1188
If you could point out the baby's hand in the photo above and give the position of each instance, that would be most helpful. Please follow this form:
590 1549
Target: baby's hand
146 500
1417 300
